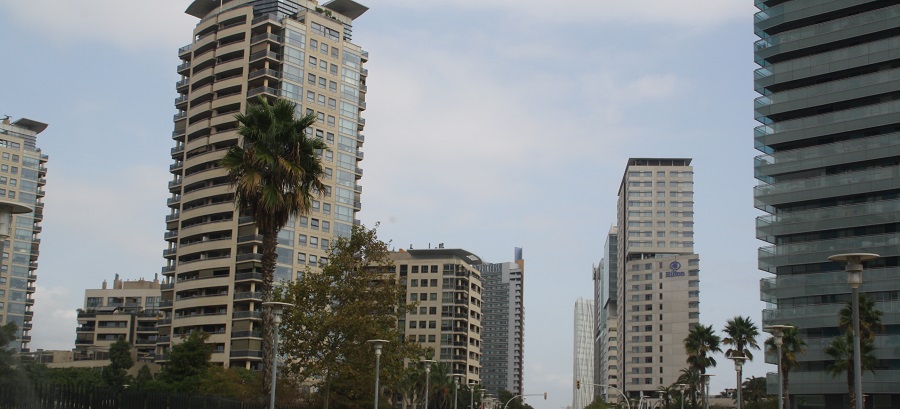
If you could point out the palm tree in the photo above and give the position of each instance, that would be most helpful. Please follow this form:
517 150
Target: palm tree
791 346
754 390
691 378
274 172
699 344
742 333
667 393
869 318
841 349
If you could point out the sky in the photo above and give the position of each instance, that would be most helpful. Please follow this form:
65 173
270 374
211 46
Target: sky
491 124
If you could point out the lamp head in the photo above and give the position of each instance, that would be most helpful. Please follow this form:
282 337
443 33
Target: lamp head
378 343
277 309
777 331
854 266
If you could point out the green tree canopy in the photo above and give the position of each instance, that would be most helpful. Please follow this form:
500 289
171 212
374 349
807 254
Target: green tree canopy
188 362
355 298
7 359
869 317
741 333
115 375
700 344
841 350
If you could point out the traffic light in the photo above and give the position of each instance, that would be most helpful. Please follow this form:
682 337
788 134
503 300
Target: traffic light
545 395
577 384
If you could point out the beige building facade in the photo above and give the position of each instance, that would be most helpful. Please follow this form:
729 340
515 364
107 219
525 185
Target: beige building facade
446 287
22 179
242 50
658 281
127 310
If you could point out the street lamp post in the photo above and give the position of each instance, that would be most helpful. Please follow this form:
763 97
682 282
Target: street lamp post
706 377
738 366
625 398
377 343
455 390
472 395
682 387
854 270
427 363
777 332
277 314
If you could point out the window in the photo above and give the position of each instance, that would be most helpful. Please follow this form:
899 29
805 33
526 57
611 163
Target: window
313 61
301 240
311 79
301 258
314 224
312 260
313 44
313 242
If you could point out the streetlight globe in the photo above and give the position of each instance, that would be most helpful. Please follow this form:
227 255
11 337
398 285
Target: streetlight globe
277 309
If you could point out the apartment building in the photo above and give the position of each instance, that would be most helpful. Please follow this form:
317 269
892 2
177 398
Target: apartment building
447 288
583 354
503 340
829 179
127 310
242 50
22 179
658 281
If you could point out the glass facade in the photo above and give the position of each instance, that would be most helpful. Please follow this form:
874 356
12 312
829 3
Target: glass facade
583 364
829 178
22 179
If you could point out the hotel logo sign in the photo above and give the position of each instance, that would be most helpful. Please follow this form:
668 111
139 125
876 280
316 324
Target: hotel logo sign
673 270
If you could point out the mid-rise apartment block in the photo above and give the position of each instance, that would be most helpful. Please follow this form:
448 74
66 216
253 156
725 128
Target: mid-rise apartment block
658 281
503 330
829 179
128 310
447 289
583 354
242 50
22 179
605 310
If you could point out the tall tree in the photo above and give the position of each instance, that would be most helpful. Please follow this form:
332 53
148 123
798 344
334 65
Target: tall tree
869 318
7 359
274 172
700 344
668 393
355 297
791 346
741 336
115 375
188 362
755 394
841 349
691 377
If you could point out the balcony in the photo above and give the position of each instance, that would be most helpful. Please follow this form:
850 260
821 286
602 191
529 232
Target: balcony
246 334
170 235
181 85
177 150
179 116
248 296
264 37
164 321
166 286
263 90
173 200
264 54
168 269
185 49
249 257
182 69
246 354
249 238
181 102
248 276
163 339
176 166
247 314
166 303
175 183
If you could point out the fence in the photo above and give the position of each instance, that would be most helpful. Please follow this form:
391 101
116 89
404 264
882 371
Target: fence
69 397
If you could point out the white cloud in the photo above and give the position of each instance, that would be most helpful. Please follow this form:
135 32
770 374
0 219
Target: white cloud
130 25
696 12
54 318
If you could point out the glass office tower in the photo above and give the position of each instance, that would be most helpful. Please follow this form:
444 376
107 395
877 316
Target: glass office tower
829 177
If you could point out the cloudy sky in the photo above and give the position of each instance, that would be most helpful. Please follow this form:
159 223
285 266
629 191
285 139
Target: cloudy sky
491 124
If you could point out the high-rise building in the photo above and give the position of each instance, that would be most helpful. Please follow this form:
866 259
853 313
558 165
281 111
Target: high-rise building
22 180
605 338
128 310
658 273
446 287
583 354
502 335
829 178
242 50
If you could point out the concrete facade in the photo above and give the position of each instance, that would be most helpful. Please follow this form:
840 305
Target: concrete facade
22 179
829 180
243 50
658 283
605 310
128 310
446 287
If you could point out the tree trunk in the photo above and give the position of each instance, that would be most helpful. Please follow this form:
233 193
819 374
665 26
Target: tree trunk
850 389
327 399
784 387
270 242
